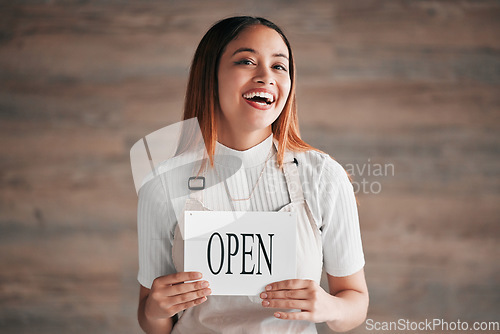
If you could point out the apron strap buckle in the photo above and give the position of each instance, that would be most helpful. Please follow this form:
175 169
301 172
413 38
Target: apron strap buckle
196 183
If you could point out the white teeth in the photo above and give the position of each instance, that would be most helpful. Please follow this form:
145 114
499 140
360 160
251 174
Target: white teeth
264 95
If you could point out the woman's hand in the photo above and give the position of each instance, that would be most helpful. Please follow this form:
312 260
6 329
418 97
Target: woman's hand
169 294
343 309
316 304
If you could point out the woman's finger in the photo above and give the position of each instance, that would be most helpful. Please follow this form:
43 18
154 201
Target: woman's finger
189 296
178 289
289 285
287 303
293 315
184 306
177 278
286 294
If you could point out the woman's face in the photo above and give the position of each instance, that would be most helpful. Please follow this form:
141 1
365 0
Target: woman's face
254 80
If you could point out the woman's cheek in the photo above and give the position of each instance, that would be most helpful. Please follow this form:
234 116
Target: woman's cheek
286 94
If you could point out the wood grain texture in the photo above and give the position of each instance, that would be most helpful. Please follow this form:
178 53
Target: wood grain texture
412 84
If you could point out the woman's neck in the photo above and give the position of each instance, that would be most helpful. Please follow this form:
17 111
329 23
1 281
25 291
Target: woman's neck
242 141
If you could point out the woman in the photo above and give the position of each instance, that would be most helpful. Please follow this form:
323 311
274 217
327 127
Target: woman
242 90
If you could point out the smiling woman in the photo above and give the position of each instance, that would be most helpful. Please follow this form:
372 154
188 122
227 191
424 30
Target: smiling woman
242 91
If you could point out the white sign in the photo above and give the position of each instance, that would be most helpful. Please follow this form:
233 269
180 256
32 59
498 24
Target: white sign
239 253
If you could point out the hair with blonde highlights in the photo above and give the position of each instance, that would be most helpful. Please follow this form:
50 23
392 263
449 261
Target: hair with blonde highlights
202 98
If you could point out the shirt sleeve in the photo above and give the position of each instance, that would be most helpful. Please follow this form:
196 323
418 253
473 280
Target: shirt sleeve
341 236
155 227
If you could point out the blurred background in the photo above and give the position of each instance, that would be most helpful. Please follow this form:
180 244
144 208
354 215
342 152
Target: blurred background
404 94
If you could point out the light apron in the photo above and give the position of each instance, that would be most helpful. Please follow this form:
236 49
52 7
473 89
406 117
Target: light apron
245 314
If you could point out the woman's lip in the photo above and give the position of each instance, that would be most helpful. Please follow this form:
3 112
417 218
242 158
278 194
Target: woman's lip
261 106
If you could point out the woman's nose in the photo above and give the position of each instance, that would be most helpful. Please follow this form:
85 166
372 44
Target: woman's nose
264 75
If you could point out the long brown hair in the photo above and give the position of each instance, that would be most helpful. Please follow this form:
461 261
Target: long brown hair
202 98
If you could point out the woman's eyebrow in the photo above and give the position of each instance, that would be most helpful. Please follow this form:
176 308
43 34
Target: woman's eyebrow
280 55
253 51
244 50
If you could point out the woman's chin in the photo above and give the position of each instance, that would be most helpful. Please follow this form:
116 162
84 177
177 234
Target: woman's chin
258 127
260 123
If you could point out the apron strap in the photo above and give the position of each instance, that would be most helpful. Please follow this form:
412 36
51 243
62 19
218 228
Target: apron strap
196 195
197 183
294 186
291 172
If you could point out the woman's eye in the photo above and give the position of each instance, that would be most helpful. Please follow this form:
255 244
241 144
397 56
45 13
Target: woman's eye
280 67
244 62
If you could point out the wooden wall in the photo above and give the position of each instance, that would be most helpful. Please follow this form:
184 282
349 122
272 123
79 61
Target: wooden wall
408 84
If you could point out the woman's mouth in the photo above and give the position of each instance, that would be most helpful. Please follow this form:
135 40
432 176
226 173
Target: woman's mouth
259 99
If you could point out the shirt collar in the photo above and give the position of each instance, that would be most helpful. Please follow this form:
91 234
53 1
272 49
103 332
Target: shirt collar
251 157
